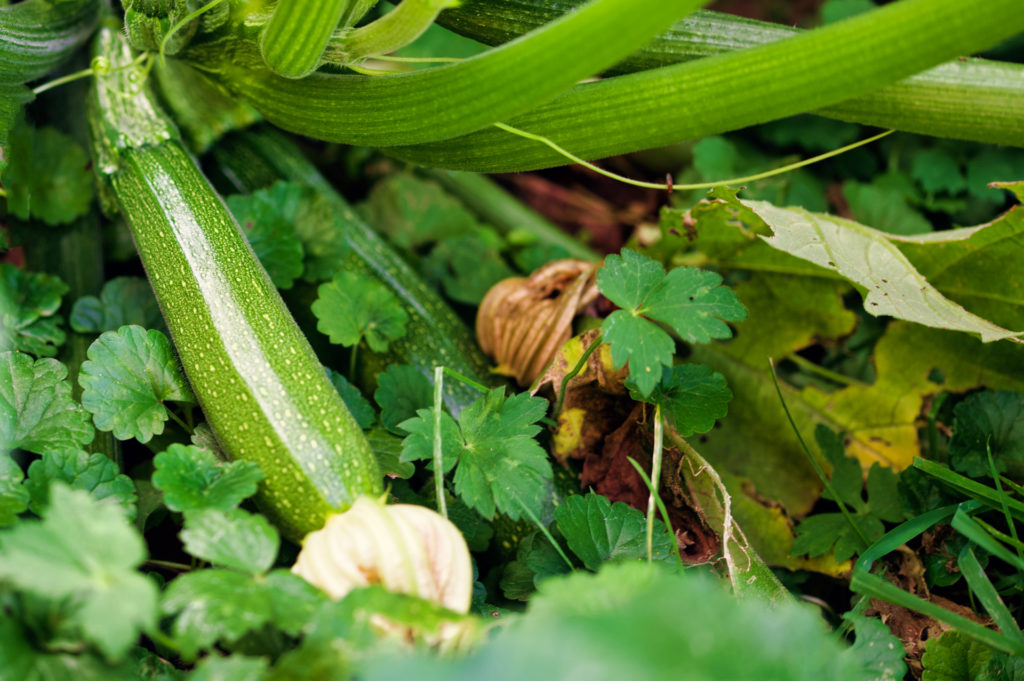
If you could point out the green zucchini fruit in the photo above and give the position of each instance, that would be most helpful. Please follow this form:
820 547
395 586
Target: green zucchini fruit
971 99
262 389
37 35
297 33
435 335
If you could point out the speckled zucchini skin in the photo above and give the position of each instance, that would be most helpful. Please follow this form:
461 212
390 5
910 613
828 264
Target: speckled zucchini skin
261 387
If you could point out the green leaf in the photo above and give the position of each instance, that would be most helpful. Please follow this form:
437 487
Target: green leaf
879 652
273 238
414 212
968 266
37 413
500 465
87 551
21 659
816 534
536 560
418 445
361 409
627 279
123 301
957 657
688 300
691 396
93 473
233 539
231 668
129 375
350 308
475 530
870 260
218 605
14 497
388 450
993 163
193 479
936 171
644 345
467 266
847 478
884 205
599 531
28 311
48 176
624 623
401 391
320 231
988 421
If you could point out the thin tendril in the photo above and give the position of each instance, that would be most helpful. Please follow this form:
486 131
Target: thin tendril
702 185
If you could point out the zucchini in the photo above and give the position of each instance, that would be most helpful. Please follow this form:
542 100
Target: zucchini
262 389
435 335
295 37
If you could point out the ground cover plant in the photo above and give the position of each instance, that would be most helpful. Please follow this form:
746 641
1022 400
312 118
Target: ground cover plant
289 390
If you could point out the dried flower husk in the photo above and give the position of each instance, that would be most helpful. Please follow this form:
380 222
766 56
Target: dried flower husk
407 549
522 322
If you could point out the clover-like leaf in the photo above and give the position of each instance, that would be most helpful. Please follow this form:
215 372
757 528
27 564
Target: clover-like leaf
689 301
37 412
234 539
599 531
86 551
123 301
193 479
93 473
128 377
350 308
692 397
28 311
644 345
401 391
499 465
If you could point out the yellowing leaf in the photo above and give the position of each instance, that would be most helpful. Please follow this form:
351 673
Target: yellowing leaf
871 260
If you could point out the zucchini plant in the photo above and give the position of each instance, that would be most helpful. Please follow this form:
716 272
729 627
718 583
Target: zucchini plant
285 197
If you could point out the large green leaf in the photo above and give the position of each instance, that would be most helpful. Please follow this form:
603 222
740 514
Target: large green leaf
891 285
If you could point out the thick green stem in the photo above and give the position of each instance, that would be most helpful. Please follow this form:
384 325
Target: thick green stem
807 72
394 30
972 99
443 102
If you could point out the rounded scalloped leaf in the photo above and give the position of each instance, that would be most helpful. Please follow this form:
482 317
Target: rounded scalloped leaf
37 413
128 377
